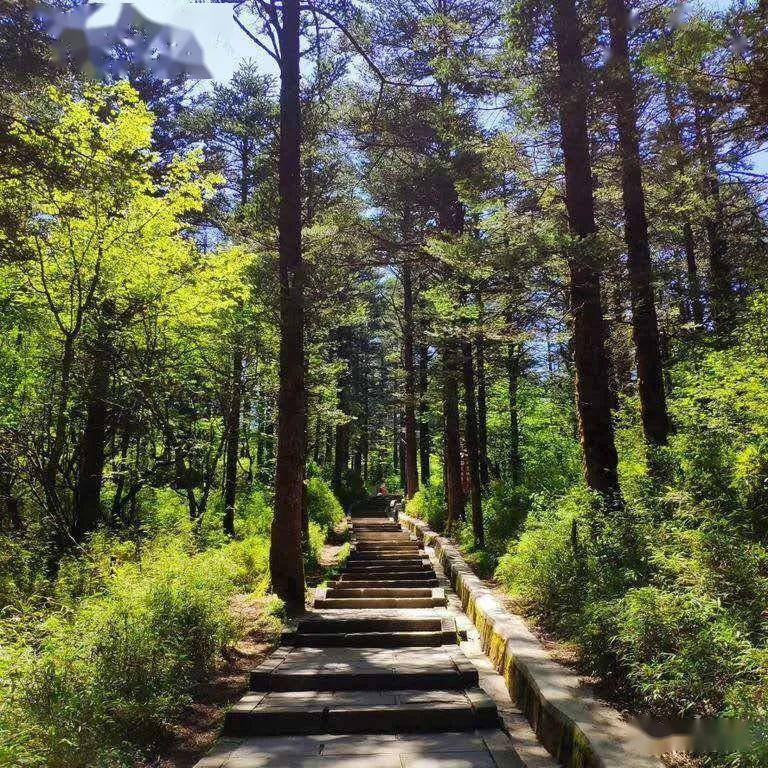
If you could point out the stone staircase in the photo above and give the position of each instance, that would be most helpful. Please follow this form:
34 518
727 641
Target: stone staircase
378 654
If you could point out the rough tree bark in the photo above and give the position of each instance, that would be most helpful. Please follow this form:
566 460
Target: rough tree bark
470 432
592 375
645 326
694 281
688 242
454 493
411 469
90 479
514 356
482 398
232 451
285 557
721 283
343 431
451 219
425 441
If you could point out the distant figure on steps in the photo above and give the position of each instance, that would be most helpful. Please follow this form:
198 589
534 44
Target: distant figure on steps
383 490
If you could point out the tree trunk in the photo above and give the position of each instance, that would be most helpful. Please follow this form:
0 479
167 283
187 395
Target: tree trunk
689 246
90 479
592 375
261 418
514 355
395 442
411 478
425 442
340 458
694 281
401 466
721 287
232 454
482 399
10 512
454 493
470 431
645 326
329 446
51 467
285 557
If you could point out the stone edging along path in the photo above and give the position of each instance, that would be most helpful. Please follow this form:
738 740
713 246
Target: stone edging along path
573 725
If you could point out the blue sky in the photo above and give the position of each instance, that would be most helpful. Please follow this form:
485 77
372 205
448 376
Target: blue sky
226 45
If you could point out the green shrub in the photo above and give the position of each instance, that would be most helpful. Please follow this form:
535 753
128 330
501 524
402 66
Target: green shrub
322 505
102 675
315 545
250 557
545 566
681 653
352 489
428 504
574 551
504 513
253 513
21 564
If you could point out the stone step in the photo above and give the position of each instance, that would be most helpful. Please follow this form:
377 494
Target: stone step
395 564
373 538
377 624
388 555
371 574
485 748
417 555
379 591
409 711
380 602
377 527
354 669
362 681
369 632
383 583
379 571
385 546
371 514
369 639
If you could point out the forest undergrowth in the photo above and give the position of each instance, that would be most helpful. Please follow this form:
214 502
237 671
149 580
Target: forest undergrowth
99 661
664 597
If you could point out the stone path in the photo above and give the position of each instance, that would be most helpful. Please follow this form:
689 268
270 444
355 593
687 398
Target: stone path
375 675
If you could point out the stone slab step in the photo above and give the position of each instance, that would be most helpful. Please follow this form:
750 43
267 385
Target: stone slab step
371 514
482 749
384 546
387 574
369 639
362 681
377 624
303 669
376 527
408 711
388 555
372 632
384 583
392 564
379 602
379 591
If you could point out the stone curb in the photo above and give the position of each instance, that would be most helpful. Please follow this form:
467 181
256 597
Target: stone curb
577 729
